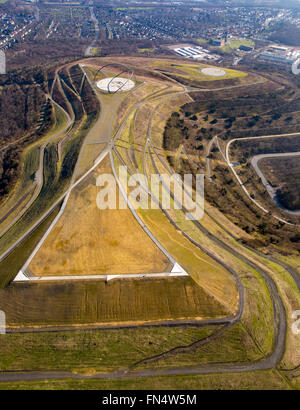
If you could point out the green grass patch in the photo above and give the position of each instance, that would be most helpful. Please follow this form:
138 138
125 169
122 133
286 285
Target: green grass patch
235 345
202 41
95 51
192 72
100 350
234 44
146 50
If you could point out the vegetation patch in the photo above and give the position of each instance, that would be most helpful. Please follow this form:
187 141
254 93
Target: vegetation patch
99 350
99 302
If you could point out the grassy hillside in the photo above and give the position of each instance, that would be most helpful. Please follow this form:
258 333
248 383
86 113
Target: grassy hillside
116 301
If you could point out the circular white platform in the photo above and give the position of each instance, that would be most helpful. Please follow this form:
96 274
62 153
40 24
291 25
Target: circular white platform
213 72
114 85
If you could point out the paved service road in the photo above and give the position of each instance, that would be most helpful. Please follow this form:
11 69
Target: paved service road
231 166
270 189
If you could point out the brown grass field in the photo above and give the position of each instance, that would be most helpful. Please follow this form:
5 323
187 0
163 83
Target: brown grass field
101 302
206 272
87 241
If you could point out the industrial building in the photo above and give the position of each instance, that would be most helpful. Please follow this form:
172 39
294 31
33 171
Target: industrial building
195 53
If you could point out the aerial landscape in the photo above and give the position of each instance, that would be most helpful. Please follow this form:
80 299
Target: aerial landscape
149 195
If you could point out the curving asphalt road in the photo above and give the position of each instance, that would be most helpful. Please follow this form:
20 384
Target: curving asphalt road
238 178
270 189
